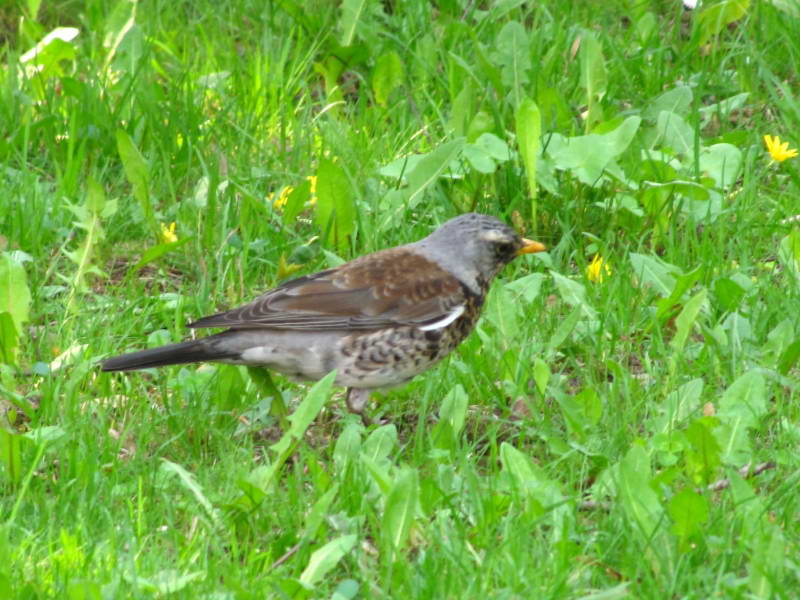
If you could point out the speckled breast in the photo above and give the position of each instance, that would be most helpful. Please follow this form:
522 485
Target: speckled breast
393 356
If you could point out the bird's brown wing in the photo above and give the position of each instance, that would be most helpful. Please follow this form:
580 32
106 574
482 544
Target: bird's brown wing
391 287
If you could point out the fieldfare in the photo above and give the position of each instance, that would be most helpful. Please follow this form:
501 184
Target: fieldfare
379 320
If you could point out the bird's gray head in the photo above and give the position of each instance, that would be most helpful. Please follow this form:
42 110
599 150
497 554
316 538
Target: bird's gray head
474 247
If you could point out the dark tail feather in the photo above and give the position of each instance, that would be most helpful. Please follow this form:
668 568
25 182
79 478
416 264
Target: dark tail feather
173 354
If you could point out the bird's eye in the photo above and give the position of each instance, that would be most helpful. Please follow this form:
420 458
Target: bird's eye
504 248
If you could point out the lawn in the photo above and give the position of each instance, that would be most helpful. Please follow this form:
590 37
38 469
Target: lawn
624 422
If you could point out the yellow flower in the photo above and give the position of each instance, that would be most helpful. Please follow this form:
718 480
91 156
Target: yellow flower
779 152
283 197
313 180
597 269
168 233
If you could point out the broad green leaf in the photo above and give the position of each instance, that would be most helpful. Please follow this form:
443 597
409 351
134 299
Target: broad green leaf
493 146
721 162
529 132
296 202
728 293
789 253
675 133
348 446
768 561
683 283
653 271
688 189
639 501
739 330
723 108
352 12
678 406
379 471
481 123
15 297
581 411
574 294
401 506
790 7
703 460
387 75
138 175
306 412
587 156
318 513
485 152
479 159
745 399
400 168
541 375
117 23
380 443
779 338
541 494
326 558
429 168
460 108
95 197
336 210
523 473
594 79
564 329
487 69
10 457
454 408
741 407
714 18
9 339
789 357
528 286
514 58
44 59
686 319
688 511
678 100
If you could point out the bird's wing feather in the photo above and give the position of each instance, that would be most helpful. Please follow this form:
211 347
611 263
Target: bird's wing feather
391 287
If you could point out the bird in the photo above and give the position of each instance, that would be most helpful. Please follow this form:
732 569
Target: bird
378 320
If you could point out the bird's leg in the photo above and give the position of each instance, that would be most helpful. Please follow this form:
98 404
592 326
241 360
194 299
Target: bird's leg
356 399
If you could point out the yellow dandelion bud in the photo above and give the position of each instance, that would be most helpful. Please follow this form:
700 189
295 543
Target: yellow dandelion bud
282 198
597 269
168 234
777 150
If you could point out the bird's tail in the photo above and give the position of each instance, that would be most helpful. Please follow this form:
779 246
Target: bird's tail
174 354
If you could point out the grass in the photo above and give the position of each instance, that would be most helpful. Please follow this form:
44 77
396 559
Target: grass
566 448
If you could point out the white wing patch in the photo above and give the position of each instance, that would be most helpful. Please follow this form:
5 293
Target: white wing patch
452 316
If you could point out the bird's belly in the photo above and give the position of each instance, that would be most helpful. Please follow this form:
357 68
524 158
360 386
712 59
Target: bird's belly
392 357
373 359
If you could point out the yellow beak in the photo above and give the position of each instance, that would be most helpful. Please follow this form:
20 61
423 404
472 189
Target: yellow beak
529 247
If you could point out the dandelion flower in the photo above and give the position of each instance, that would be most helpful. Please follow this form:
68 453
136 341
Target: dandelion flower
779 152
168 234
598 269
282 198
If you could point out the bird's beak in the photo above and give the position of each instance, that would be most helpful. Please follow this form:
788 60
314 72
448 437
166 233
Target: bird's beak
529 247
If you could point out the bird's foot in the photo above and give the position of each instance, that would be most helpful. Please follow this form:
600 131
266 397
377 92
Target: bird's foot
357 400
